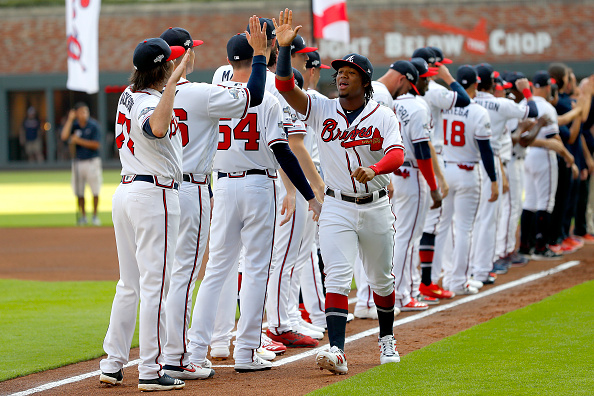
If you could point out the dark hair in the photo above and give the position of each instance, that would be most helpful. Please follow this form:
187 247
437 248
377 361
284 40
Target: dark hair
79 105
485 84
241 64
147 79
364 79
558 71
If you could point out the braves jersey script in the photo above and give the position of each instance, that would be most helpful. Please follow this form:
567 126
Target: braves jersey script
381 94
545 108
344 146
439 98
462 127
500 110
244 143
414 123
137 149
198 107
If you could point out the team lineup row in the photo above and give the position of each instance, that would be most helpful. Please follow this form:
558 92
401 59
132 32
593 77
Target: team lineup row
387 169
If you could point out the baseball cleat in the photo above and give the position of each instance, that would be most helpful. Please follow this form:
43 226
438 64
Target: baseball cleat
466 290
190 372
160 384
265 354
366 313
292 339
112 378
350 317
414 305
428 300
435 291
501 266
312 326
277 347
333 360
258 364
388 352
318 335
546 255
475 283
518 260
588 238
219 353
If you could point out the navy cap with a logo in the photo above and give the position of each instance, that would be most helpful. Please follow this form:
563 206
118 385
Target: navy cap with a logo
408 70
423 67
153 52
315 61
541 78
466 76
238 48
298 46
180 37
513 76
270 30
439 58
354 60
425 53
485 72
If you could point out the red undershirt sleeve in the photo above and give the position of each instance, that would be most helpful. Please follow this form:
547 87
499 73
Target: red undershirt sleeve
426 168
391 161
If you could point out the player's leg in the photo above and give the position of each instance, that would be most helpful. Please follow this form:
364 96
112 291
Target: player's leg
545 196
365 307
516 203
505 214
311 281
224 250
95 179
225 319
444 226
125 303
258 210
529 206
191 245
78 187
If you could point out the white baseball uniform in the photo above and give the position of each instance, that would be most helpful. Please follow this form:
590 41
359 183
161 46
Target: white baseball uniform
347 227
462 128
541 165
146 217
244 215
485 235
382 95
198 107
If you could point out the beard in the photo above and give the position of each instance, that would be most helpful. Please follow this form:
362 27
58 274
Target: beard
272 60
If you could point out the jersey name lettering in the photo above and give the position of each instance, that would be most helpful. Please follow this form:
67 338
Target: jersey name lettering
459 111
368 135
126 100
488 105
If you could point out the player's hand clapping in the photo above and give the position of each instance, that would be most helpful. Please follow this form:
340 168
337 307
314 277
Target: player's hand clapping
257 39
284 30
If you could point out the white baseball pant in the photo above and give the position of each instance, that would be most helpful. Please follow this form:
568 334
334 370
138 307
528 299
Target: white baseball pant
541 176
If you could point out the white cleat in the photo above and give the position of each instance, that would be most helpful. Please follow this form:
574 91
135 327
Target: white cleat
466 290
265 354
333 360
388 352
257 364
350 317
366 313
316 335
475 283
190 372
311 326
219 353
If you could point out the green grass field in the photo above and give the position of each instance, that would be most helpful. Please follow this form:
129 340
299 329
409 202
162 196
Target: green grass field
542 349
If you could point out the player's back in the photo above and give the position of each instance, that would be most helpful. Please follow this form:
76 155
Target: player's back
462 127
244 143
545 108
381 94
414 123
140 153
439 98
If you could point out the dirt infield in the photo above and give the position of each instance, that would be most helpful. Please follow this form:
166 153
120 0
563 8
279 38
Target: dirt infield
90 254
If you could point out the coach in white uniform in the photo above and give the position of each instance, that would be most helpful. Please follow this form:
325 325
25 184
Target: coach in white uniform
146 212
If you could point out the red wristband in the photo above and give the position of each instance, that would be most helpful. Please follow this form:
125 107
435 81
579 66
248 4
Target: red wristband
527 93
285 85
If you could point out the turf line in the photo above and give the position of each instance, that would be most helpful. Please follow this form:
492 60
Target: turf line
311 352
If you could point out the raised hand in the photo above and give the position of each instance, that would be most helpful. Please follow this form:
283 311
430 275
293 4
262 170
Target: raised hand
257 39
181 68
284 29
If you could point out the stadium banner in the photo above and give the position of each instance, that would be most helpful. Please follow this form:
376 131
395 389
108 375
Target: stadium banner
82 40
330 20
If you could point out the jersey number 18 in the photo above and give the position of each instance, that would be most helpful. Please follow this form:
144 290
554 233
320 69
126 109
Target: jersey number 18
457 138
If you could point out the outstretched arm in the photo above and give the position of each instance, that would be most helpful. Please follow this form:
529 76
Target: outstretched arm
285 81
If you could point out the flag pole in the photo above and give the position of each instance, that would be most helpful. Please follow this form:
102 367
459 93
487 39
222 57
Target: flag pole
313 39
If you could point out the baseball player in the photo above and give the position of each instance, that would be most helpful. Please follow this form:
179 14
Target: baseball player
500 111
245 214
359 144
146 212
467 134
410 202
198 108
438 98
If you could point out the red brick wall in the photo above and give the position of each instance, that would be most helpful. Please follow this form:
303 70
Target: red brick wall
37 43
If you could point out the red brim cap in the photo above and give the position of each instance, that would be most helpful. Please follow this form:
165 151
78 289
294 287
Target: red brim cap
433 71
323 66
436 63
507 85
414 87
499 87
176 52
553 81
496 74
197 43
306 49
446 61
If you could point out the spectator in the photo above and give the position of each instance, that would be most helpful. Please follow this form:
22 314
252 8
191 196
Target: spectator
82 132
31 136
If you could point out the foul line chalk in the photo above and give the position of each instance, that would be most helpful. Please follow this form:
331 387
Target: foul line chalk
354 337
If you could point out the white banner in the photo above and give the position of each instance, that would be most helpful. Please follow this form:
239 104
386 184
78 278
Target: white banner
330 20
82 37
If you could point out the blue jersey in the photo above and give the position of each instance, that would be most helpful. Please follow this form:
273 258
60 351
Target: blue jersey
89 132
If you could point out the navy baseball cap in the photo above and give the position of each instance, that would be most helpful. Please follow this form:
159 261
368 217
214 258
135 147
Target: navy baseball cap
512 77
153 52
541 78
423 67
485 71
466 76
408 70
501 84
180 37
270 30
315 61
354 60
425 53
298 46
439 58
238 48
298 78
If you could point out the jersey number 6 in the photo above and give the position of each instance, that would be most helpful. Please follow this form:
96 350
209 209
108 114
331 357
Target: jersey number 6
246 129
458 138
